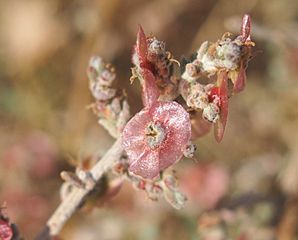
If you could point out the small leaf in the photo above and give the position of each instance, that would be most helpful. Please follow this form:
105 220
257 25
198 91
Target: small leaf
246 28
141 46
150 91
223 94
240 82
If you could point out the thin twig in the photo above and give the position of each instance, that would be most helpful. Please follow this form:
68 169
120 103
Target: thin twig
72 201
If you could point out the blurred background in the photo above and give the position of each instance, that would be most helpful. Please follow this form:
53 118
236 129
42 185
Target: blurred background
243 188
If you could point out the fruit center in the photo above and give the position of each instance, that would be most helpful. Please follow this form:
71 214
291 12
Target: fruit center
155 134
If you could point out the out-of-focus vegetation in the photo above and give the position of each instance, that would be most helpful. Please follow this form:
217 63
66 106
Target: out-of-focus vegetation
244 188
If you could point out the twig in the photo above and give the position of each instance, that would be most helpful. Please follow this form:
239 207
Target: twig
72 201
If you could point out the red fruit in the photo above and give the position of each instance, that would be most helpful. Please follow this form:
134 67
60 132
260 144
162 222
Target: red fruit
156 137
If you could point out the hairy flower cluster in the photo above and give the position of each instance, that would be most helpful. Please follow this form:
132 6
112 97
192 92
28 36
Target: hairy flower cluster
225 59
228 55
150 54
101 76
111 105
